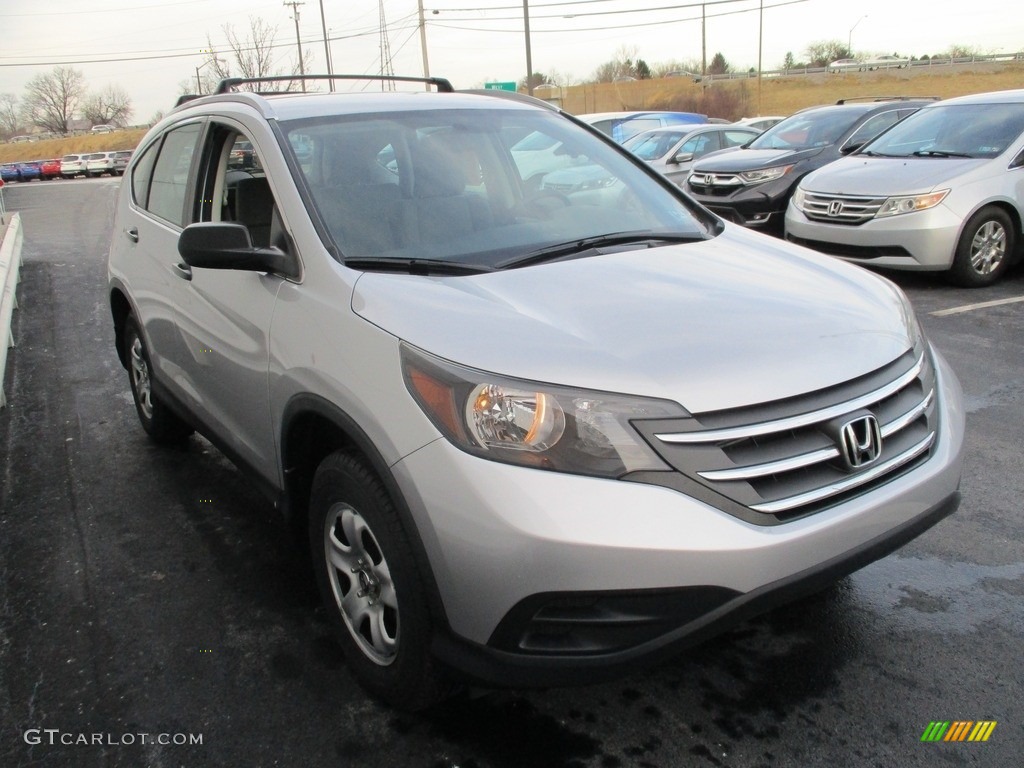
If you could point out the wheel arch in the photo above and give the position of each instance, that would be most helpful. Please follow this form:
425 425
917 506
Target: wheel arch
120 308
312 428
1011 210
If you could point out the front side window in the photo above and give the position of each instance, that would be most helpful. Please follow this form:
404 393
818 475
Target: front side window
458 186
169 183
873 126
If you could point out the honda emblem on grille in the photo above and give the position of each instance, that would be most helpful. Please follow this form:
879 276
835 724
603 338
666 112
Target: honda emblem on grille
835 208
860 441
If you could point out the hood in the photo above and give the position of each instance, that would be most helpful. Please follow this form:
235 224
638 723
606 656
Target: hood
884 176
736 320
752 159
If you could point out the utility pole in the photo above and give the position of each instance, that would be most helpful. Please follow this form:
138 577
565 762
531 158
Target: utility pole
423 43
529 56
298 40
327 46
703 42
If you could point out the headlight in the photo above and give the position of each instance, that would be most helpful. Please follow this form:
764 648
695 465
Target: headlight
765 174
894 206
798 198
532 424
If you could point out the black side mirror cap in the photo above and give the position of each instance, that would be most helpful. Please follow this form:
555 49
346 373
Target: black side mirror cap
221 245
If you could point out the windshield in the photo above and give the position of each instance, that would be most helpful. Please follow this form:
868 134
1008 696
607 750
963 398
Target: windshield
954 130
807 130
462 186
651 146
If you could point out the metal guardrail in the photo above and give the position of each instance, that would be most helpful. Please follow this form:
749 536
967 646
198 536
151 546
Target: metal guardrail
10 275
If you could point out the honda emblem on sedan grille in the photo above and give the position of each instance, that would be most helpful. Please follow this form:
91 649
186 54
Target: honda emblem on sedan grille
860 441
835 208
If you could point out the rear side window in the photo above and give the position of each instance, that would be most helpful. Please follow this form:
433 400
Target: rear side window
142 175
169 184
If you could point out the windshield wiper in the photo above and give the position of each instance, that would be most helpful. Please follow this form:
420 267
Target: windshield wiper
415 266
576 247
869 153
938 153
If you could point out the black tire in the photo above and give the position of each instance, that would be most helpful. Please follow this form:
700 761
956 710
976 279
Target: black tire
368 578
985 249
161 424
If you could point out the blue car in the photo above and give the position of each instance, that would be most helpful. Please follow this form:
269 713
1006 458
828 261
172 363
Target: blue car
9 172
29 171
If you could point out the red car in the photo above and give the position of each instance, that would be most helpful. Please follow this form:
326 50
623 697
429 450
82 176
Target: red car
50 168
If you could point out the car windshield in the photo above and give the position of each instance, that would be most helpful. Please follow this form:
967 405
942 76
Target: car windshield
651 146
457 186
953 130
819 128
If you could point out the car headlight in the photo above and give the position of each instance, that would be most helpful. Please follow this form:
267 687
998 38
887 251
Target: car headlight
798 198
765 174
530 424
894 206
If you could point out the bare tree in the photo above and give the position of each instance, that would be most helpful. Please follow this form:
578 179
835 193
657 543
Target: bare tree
112 105
51 99
822 54
251 55
9 120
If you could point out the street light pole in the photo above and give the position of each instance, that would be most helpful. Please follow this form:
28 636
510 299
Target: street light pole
199 83
849 40
423 42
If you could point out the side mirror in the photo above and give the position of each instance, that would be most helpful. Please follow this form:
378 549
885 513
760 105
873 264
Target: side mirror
216 245
849 149
683 157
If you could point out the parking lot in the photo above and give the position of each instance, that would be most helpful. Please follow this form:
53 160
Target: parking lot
150 593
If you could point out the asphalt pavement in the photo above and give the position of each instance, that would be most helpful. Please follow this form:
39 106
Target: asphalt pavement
153 612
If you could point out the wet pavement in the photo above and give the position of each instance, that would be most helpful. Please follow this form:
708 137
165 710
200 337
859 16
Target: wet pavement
149 597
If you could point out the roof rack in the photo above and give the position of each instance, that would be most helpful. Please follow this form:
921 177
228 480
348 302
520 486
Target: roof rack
888 98
226 85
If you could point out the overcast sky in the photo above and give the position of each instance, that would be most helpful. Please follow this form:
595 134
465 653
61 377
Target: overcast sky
149 47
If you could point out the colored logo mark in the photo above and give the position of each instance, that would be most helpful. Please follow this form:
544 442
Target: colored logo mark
958 730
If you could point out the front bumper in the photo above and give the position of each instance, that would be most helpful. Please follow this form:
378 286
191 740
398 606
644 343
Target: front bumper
925 240
548 578
758 206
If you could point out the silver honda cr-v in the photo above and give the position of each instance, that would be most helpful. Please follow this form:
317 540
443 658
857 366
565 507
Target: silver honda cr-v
531 437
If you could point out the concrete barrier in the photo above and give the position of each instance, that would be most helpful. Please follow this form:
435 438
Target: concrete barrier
10 275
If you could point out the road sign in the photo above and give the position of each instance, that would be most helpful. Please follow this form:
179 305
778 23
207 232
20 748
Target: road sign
509 86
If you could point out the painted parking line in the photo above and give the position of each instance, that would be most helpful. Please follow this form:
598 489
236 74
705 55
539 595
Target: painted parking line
972 307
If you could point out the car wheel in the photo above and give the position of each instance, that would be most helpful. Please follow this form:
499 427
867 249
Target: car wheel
369 580
161 424
985 248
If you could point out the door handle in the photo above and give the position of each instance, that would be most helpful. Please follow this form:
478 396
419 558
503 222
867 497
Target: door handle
184 271
133 234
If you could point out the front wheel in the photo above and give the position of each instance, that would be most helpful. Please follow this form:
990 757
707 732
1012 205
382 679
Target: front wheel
369 581
985 248
161 424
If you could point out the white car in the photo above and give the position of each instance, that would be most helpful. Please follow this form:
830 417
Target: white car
887 62
941 190
846 65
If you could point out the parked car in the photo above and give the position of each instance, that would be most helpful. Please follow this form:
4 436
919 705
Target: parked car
887 62
672 151
9 172
761 123
752 185
121 159
846 65
99 163
529 440
624 125
943 190
72 166
50 169
29 171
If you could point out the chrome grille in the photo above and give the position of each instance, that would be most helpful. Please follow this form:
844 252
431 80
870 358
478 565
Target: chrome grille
784 459
840 209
